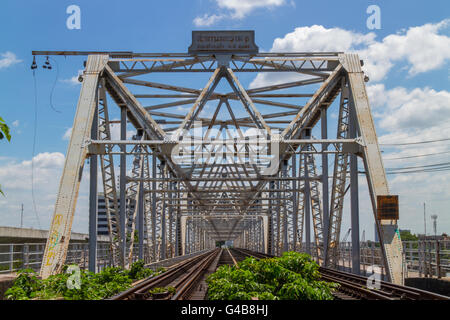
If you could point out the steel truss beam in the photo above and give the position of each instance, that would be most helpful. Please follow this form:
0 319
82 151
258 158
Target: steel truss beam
187 206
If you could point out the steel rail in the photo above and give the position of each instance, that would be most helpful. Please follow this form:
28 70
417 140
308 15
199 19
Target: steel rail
190 281
387 289
184 275
356 286
139 291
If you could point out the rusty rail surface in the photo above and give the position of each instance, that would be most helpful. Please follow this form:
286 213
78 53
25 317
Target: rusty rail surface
355 286
183 277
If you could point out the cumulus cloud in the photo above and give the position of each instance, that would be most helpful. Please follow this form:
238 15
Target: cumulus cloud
422 48
16 183
241 8
8 59
115 132
207 20
410 116
17 175
67 134
411 109
73 80
235 9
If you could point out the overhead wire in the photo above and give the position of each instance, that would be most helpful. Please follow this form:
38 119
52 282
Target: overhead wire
418 167
417 156
54 84
411 143
33 198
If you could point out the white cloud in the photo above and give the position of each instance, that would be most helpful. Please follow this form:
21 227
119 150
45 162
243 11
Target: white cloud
15 177
401 114
422 48
8 59
405 109
236 9
414 115
319 38
207 20
115 132
67 134
73 80
241 8
15 123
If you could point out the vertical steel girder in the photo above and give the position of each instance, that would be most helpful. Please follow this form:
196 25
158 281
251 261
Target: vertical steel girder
132 193
109 182
338 189
316 206
148 211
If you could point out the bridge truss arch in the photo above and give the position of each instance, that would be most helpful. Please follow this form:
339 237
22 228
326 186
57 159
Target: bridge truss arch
223 162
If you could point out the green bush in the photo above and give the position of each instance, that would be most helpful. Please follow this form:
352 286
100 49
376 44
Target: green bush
294 276
108 282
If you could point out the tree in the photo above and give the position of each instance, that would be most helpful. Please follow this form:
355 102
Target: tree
4 133
406 235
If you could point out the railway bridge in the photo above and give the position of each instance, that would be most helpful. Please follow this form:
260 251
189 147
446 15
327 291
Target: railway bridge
211 160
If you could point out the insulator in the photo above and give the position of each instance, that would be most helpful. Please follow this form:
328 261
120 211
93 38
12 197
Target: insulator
47 64
34 65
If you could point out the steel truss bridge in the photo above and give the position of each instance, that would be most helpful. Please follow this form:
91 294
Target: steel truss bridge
191 178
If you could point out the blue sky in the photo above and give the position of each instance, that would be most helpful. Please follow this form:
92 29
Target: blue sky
165 26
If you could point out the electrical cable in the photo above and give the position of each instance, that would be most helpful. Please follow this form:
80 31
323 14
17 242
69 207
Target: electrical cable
34 150
421 171
54 84
410 143
418 167
417 156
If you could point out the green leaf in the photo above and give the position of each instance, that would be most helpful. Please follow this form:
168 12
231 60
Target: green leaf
4 130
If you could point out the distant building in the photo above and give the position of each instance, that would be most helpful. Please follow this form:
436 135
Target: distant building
102 220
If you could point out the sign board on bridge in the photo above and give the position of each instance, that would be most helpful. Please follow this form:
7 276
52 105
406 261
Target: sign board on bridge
226 42
387 207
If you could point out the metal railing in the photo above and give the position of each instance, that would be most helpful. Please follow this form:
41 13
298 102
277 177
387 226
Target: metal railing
16 256
370 257
423 258
427 258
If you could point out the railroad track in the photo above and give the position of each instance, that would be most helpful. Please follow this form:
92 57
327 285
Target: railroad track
187 277
184 277
354 287
189 280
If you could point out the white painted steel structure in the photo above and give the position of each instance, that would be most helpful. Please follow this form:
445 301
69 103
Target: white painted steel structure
186 201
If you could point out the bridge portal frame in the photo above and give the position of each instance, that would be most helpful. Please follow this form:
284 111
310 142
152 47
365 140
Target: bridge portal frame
337 74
